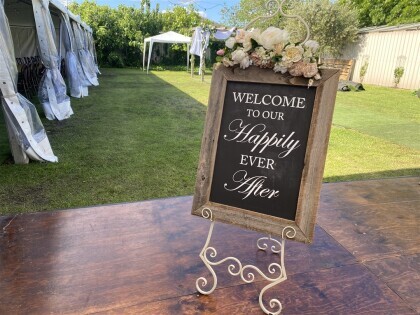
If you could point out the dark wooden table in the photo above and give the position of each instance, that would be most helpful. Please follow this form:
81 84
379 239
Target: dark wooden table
142 258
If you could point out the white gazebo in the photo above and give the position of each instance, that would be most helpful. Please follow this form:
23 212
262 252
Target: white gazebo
170 38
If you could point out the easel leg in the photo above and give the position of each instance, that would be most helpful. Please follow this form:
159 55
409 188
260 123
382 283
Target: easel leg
247 272
202 282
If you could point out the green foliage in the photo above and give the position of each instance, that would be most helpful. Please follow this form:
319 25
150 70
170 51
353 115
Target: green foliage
398 73
386 12
242 13
363 70
119 33
332 24
115 60
181 20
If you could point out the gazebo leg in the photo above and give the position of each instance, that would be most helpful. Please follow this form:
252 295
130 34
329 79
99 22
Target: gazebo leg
192 65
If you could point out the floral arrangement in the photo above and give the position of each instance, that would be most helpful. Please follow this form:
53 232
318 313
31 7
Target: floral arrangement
273 49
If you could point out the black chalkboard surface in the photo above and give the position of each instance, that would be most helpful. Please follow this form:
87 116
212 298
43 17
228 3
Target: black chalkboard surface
261 147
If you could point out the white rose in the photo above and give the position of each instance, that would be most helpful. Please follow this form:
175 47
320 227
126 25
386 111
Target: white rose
272 36
226 62
260 51
230 42
293 53
240 36
286 63
278 67
245 62
278 49
312 45
255 35
238 55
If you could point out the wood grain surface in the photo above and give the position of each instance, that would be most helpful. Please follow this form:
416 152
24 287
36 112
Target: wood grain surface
401 274
142 258
349 289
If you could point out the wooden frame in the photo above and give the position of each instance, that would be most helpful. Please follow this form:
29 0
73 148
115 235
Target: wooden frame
314 158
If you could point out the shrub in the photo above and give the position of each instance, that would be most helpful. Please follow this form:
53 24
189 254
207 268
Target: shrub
398 73
115 60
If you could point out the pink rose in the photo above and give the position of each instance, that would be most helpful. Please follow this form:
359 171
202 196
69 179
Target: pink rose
310 70
220 52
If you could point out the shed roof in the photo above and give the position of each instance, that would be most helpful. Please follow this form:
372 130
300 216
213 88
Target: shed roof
392 28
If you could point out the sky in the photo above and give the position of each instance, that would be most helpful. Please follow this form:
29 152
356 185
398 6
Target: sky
208 8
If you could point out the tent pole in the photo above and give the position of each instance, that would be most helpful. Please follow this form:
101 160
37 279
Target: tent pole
192 65
144 52
188 55
150 55
60 44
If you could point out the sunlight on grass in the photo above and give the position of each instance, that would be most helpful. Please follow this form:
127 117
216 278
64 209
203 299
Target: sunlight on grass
190 85
387 113
353 155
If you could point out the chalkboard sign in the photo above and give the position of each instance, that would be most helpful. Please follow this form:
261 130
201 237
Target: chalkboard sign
263 149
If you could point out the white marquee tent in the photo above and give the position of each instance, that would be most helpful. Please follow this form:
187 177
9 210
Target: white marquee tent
169 38
28 32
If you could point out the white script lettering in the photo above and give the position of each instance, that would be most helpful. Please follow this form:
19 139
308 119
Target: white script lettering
253 134
251 186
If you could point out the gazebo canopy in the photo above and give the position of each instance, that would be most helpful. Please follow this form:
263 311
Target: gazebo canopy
168 37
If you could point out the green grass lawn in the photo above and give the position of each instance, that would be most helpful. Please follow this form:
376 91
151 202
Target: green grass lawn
138 137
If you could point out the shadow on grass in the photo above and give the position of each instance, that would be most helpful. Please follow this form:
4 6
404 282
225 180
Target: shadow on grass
374 175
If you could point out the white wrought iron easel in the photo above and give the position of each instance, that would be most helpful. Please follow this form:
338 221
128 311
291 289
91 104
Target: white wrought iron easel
247 272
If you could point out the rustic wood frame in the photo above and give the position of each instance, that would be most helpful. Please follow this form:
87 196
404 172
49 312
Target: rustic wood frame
310 185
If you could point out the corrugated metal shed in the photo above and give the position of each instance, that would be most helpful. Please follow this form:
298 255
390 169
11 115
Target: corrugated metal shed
383 49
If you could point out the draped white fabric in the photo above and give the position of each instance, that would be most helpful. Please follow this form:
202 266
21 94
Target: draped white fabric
73 76
89 53
84 57
223 34
200 42
52 90
93 51
20 114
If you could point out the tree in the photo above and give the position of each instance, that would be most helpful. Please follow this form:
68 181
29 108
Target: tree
386 12
145 5
181 20
242 13
119 33
332 24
